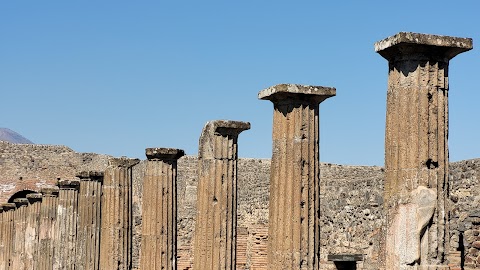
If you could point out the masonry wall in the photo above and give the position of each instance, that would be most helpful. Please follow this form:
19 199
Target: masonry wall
351 203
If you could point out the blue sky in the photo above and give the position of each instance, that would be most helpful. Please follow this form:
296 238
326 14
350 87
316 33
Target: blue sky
116 77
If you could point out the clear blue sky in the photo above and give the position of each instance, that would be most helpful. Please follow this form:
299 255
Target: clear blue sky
116 77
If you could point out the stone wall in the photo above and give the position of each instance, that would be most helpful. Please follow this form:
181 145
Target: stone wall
351 203
33 166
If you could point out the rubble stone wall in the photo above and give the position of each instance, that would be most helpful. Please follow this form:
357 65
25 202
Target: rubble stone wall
351 203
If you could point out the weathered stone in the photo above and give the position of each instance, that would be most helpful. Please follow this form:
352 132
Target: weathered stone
116 223
159 209
294 210
89 220
416 148
20 220
7 235
216 223
65 236
47 228
32 230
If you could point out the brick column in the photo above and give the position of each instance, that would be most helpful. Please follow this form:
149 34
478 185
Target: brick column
159 209
47 228
32 230
416 148
8 232
294 230
216 223
116 228
89 220
66 233
20 222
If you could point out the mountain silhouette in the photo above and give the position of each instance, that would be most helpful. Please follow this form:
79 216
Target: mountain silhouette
11 136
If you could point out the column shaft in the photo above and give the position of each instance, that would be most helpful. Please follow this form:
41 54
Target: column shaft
20 217
216 224
159 210
47 228
8 230
416 149
32 231
116 227
294 230
65 235
89 220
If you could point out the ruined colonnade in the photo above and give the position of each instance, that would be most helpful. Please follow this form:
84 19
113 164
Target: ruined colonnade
86 223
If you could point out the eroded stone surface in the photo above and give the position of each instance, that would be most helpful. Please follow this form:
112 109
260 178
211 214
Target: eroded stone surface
159 210
294 206
216 219
416 147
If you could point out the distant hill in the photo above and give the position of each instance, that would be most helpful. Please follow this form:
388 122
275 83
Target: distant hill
11 136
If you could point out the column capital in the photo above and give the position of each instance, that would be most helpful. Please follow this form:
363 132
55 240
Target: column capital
297 92
68 184
431 46
34 197
8 206
218 127
20 202
49 192
164 153
123 162
90 175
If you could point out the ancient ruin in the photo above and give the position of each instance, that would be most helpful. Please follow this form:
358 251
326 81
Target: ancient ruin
66 210
216 224
294 230
416 148
159 211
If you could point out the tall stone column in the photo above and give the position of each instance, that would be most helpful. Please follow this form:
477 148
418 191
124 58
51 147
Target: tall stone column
32 230
416 148
89 220
116 228
294 209
159 209
8 235
20 224
47 228
2 235
66 233
216 223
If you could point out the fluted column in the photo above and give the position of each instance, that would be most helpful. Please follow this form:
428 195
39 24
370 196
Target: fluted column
65 235
48 218
416 148
294 230
89 220
20 222
216 223
2 235
8 235
116 229
32 231
159 209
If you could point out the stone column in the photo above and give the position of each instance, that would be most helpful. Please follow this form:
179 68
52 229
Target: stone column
89 220
20 222
47 228
66 233
31 231
294 230
216 223
2 235
116 228
8 233
416 149
159 209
